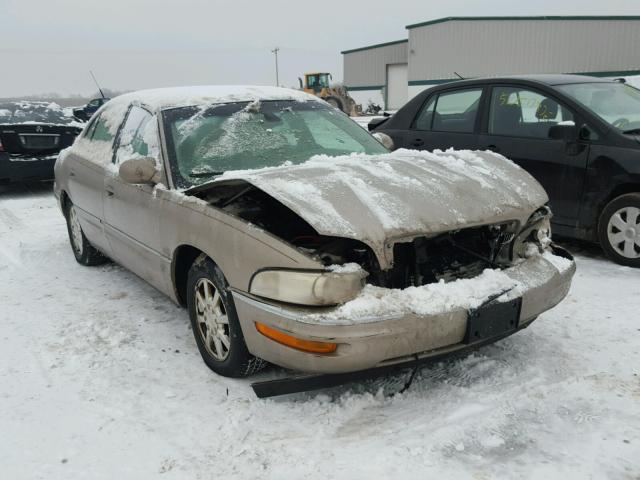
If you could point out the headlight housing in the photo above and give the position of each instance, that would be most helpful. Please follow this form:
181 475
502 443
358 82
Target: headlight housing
308 287
536 234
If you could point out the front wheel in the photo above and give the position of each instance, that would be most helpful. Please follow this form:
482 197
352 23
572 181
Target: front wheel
619 230
215 322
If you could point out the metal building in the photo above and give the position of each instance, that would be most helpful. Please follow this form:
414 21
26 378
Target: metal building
437 51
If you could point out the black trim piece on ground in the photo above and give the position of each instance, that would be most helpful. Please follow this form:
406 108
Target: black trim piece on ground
305 383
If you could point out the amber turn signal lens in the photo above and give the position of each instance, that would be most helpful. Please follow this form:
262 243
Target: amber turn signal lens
293 342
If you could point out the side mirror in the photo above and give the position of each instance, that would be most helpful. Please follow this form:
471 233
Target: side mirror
139 170
567 132
376 122
384 139
300 82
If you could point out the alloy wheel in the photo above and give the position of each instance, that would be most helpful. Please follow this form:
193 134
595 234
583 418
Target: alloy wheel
212 319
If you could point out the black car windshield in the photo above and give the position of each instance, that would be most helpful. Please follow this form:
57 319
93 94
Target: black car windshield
35 112
618 104
205 141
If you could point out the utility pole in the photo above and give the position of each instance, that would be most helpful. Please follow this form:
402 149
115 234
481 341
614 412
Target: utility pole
275 52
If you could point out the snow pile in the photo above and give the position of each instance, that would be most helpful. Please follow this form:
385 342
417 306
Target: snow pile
346 268
561 263
377 303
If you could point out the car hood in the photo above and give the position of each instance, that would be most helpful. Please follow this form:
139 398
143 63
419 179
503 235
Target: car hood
383 199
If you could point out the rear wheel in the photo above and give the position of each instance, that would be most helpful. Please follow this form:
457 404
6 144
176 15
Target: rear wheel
215 322
84 252
619 230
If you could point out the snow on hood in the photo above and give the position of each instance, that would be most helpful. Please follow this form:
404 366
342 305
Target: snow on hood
400 195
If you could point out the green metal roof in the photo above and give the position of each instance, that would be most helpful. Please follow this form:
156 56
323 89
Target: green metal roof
378 45
596 17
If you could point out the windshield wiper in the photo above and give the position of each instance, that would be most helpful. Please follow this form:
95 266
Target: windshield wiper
204 174
633 131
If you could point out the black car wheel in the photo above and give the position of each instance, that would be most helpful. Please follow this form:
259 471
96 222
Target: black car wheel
215 322
619 230
85 253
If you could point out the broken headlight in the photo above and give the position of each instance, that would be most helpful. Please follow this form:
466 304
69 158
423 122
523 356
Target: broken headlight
536 234
307 288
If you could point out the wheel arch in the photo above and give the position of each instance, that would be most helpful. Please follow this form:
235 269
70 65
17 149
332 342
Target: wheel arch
617 191
65 201
183 258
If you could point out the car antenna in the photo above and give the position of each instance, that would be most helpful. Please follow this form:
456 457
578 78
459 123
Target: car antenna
97 85
459 76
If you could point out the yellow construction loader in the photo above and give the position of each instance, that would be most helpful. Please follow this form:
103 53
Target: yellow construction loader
318 84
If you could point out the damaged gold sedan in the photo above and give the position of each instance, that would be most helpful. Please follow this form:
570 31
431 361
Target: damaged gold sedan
294 237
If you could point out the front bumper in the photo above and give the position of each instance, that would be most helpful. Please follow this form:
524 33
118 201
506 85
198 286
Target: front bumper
394 339
25 167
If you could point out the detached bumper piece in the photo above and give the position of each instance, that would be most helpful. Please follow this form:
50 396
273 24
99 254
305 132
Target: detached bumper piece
497 318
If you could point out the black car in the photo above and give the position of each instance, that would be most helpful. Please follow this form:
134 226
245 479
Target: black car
31 135
578 136
86 112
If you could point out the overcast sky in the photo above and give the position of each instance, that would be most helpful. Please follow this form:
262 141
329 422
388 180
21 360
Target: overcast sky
49 45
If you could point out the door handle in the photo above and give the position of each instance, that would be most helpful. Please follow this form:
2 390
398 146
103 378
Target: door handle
492 148
418 142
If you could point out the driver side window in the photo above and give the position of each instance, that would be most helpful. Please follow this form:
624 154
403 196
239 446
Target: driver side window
138 136
518 112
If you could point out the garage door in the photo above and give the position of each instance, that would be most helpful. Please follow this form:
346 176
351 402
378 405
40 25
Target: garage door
397 86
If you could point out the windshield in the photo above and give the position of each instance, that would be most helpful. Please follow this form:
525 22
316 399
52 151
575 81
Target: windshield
617 104
206 141
35 112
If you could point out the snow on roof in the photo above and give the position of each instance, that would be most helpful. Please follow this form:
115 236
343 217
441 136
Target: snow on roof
161 98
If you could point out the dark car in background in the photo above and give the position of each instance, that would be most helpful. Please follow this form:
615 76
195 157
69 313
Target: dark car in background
86 112
31 135
579 136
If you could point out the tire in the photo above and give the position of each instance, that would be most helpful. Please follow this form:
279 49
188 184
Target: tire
85 253
619 230
211 309
334 101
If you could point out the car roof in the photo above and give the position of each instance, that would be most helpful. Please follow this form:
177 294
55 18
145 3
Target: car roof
543 79
164 98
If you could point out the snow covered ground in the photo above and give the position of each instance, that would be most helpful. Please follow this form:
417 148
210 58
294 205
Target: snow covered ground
100 378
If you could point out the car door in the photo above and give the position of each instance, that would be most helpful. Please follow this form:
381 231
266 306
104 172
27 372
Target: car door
446 119
88 164
132 212
517 126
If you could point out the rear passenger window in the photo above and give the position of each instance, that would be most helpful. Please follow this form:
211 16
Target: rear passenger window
138 136
425 116
518 112
101 132
98 130
457 111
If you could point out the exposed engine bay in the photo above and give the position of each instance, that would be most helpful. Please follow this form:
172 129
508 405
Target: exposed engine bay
447 256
